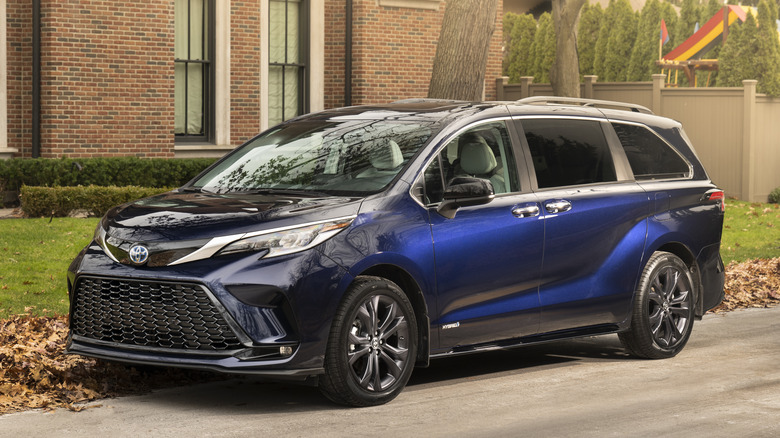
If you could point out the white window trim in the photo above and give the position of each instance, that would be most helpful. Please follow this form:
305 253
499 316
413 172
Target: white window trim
316 56
221 98
410 4
265 26
222 74
5 151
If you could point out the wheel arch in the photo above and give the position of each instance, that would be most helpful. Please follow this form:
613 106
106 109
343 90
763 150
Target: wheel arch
411 288
685 254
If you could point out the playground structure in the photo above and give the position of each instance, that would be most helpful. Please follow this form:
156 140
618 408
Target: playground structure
687 56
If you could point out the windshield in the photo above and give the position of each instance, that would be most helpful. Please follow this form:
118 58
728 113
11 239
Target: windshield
335 157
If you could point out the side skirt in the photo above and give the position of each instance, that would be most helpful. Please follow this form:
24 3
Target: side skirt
507 344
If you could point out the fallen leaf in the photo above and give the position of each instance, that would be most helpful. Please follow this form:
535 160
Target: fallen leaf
35 372
754 283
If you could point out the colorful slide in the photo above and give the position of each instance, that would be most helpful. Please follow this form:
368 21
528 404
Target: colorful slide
707 37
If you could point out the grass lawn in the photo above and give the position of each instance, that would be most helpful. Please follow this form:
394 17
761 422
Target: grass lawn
34 257
750 231
35 254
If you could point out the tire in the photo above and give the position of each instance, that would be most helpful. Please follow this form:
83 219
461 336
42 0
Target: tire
372 345
663 310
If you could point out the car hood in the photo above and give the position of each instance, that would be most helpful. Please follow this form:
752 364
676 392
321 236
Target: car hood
177 216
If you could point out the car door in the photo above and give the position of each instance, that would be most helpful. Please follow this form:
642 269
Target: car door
595 223
488 257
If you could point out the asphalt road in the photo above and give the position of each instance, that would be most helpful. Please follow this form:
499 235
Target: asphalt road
725 383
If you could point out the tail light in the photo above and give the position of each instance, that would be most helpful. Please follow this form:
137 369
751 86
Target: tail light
716 195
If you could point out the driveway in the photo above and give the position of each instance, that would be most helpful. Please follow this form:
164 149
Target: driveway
726 382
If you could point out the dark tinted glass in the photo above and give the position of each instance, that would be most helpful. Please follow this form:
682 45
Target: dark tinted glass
434 182
568 152
649 156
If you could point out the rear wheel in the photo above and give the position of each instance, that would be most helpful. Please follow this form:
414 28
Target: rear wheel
663 312
372 345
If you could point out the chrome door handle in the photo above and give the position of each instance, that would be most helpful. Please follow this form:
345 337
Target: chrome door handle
527 211
557 206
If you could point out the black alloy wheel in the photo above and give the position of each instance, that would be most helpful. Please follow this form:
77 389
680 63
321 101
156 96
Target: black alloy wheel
663 312
372 345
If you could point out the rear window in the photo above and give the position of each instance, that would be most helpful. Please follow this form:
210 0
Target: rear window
649 156
568 152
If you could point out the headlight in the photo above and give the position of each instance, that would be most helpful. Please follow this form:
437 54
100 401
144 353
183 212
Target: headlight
100 231
100 238
287 241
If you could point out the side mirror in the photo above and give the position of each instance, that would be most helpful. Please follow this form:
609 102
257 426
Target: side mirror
464 192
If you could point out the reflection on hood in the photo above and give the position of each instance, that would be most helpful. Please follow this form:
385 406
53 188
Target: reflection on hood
186 216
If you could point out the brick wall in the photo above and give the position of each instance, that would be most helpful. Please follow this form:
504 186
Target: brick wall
393 51
493 69
335 19
245 43
108 75
106 78
19 22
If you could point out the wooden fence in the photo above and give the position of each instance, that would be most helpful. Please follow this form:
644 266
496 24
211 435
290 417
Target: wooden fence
735 131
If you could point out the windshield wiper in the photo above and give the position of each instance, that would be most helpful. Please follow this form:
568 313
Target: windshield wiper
281 191
194 190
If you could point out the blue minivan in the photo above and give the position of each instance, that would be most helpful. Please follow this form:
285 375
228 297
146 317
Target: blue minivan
348 246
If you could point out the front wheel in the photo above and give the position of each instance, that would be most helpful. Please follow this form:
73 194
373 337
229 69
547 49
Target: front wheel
663 312
372 345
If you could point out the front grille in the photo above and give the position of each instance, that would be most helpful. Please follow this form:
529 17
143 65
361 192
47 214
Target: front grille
150 314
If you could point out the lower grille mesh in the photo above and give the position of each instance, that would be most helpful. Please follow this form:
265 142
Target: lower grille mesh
150 314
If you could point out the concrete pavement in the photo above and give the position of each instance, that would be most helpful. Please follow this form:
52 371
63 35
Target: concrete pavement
10 213
725 383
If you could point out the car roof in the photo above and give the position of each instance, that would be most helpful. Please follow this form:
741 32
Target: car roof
443 109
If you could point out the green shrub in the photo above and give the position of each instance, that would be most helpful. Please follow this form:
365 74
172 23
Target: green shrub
97 200
113 171
774 196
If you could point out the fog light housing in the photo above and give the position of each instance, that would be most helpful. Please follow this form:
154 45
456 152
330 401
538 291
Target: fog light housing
285 350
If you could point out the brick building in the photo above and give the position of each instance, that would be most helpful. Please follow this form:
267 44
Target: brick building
186 78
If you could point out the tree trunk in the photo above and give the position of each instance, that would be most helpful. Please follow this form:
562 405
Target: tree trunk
462 51
565 74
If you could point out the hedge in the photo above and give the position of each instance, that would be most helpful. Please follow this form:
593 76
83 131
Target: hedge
112 171
774 196
97 200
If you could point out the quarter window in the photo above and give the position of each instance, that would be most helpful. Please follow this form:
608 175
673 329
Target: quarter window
568 152
193 68
649 156
287 67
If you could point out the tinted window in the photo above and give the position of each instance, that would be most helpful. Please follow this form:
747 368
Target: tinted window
568 152
649 156
481 152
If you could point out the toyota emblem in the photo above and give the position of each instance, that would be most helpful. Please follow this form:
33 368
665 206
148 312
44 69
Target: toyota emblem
139 254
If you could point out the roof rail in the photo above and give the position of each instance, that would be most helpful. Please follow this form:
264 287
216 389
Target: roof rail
426 100
537 100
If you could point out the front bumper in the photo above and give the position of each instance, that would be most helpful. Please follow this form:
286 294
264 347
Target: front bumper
237 314
276 369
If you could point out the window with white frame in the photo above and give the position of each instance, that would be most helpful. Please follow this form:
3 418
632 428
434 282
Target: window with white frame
288 55
193 69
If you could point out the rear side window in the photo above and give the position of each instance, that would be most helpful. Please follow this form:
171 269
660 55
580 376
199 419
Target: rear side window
568 152
649 156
